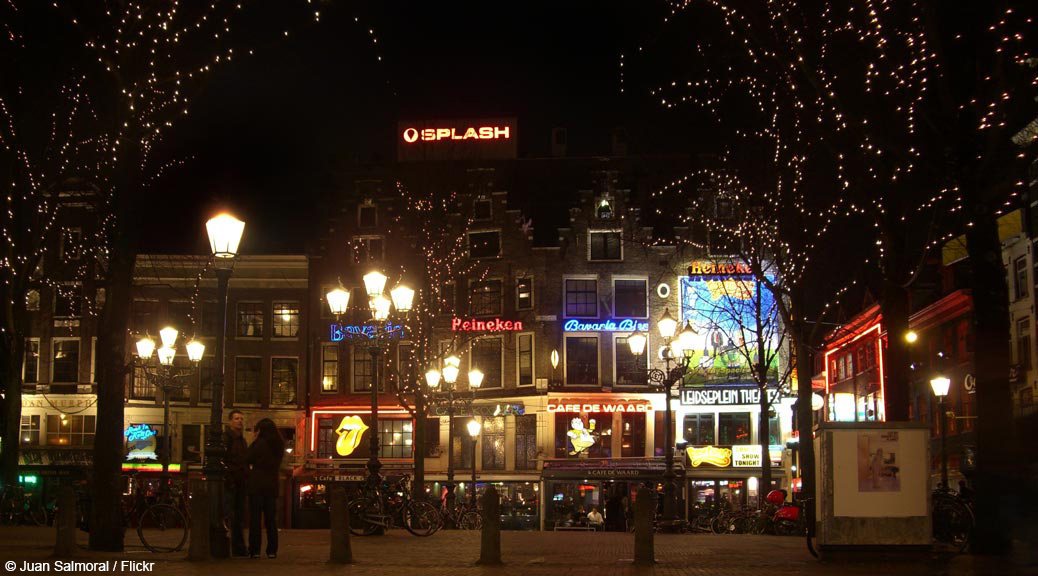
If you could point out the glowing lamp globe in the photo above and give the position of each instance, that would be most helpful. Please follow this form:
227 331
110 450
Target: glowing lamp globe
195 350
379 308
168 335
374 283
338 300
224 235
450 373
402 298
474 427
166 355
145 347
432 378
667 325
475 378
637 343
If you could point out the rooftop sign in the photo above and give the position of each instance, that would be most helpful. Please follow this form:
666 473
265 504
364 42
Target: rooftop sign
461 139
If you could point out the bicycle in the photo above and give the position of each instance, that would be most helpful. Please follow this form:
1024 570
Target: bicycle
380 505
17 507
160 523
953 519
462 517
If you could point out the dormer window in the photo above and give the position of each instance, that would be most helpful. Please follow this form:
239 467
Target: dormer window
482 209
604 210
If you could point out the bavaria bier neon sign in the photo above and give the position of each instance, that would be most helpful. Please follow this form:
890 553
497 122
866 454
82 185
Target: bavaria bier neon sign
412 135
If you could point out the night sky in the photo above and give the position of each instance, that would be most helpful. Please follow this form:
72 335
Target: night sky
270 134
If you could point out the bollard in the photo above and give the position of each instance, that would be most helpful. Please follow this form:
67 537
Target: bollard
65 522
198 547
644 513
490 537
342 552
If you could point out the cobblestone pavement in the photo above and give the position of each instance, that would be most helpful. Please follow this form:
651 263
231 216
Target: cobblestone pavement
525 553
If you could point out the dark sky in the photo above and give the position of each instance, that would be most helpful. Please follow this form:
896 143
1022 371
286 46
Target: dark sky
271 132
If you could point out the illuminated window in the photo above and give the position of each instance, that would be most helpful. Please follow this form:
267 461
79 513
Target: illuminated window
363 371
284 373
330 368
206 374
586 434
485 244
605 245
699 429
631 370
492 434
286 319
524 353
31 366
29 431
630 298
395 438
734 428
250 319
32 300
70 430
65 361
463 445
582 360
247 379
1020 278
526 442
581 298
1023 343
632 436
146 316
142 387
524 294
485 298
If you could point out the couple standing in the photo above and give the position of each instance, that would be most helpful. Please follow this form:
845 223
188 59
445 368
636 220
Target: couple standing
252 470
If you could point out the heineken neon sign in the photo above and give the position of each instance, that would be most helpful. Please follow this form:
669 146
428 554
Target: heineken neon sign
613 325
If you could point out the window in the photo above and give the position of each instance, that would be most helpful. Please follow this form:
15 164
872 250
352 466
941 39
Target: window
367 216
699 429
775 429
210 324
326 437
632 435
71 244
582 298
29 432
524 354
32 300
446 298
493 434
180 388
367 249
485 298
206 374
585 433
286 319
486 355
630 299
284 373
432 437
482 209
191 443
463 443
734 428
142 387
247 380
604 245
1023 343
31 366
526 442
70 430
178 314
363 371
330 368
1020 275
524 294
485 244
250 319
395 438
66 301
582 360
631 370
146 316
65 364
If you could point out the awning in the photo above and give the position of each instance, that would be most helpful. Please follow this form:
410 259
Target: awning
609 469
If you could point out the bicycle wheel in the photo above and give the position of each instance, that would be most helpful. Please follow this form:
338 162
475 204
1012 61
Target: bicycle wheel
364 513
162 528
36 513
471 520
786 527
421 518
952 524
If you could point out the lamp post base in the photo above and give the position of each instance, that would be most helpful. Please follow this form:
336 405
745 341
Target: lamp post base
219 543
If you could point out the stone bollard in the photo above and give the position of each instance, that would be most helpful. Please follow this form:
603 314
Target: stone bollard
644 513
198 547
65 523
490 537
341 552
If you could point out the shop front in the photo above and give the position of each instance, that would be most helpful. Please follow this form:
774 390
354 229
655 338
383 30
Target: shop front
729 475
339 448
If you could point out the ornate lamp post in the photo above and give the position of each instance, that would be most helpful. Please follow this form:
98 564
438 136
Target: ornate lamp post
224 233
940 386
444 382
381 331
474 427
672 352
167 377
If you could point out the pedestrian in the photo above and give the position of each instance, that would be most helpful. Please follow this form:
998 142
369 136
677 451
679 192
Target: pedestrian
234 481
264 459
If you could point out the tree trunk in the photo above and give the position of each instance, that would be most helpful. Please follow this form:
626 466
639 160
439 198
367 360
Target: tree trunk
12 354
418 486
764 436
805 423
895 307
995 451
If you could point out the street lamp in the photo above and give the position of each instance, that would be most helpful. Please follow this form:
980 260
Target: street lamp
673 351
444 382
380 332
474 427
166 378
224 233
940 386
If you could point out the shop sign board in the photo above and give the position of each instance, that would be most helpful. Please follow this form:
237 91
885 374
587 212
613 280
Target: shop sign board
718 456
142 442
495 325
611 325
739 456
460 139
579 405
338 332
720 396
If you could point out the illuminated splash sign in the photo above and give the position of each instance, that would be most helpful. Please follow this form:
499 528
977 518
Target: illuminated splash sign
460 139
412 135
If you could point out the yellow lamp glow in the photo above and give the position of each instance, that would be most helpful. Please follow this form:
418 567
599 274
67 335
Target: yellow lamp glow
475 378
379 307
224 235
195 350
338 300
432 378
374 283
145 347
450 373
168 335
474 427
402 298
637 343
166 355
667 324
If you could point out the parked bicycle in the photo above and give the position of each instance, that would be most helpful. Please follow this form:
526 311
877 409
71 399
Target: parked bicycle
18 507
156 512
953 519
462 517
383 505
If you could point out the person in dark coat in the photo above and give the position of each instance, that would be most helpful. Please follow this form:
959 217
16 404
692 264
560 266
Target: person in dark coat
264 460
234 480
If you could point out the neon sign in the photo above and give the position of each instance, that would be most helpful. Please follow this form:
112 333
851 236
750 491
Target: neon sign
139 432
707 268
340 331
624 325
142 442
495 325
720 457
578 405
350 431
412 135
580 439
